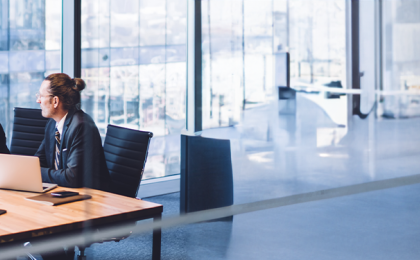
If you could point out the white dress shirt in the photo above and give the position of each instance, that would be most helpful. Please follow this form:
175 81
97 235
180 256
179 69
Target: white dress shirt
60 125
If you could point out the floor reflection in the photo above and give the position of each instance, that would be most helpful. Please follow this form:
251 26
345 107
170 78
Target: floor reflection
311 150
277 155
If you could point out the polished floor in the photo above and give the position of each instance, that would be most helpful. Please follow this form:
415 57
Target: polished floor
276 154
375 225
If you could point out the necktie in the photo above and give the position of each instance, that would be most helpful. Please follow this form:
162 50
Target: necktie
57 149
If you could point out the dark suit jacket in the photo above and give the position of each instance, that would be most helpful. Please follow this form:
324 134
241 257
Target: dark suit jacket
3 146
82 159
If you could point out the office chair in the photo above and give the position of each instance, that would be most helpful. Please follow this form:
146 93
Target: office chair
28 131
3 146
125 154
206 174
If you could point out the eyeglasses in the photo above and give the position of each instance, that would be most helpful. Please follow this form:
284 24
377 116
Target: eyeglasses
38 95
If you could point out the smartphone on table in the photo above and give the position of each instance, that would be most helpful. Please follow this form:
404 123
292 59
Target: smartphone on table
64 194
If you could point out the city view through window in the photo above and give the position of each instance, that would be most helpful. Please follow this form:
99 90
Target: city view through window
134 61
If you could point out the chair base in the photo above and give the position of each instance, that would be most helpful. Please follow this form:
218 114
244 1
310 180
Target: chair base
81 254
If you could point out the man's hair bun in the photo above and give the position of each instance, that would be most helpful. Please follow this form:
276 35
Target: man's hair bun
66 88
79 84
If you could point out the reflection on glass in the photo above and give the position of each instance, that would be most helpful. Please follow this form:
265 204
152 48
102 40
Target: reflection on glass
52 25
401 59
95 24
124 23
317 47
52 60
175 97
123 89
4 98
133 58
152 98
223 77
27 29
152 22
27 26
176 22
317 40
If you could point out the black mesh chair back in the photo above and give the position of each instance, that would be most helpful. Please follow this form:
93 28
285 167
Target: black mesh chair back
206 174
126 153
3 146
28 131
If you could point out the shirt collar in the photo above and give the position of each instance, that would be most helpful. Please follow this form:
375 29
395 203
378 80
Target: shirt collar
60 124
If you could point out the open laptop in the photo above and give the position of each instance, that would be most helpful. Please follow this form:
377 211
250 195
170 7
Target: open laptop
18 172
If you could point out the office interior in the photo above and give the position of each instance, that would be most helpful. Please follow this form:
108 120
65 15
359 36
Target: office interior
353 69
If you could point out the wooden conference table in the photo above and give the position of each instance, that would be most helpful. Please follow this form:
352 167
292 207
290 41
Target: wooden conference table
27 220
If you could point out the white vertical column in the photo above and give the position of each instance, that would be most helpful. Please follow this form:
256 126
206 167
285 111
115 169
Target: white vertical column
349 61
71 38
367 54
194 74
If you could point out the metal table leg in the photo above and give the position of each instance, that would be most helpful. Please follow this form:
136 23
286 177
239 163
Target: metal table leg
157 239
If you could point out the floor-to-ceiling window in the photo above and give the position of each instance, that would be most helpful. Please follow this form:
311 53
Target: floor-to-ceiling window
134 52
401 59
237 58
242 38
317 40
222 49
134 62
30 35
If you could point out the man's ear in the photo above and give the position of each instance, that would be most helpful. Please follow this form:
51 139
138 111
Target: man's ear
56 101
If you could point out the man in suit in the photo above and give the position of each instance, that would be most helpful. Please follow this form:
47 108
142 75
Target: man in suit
3 146
71 154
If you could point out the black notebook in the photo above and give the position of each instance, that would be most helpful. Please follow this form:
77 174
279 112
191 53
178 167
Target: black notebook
48 199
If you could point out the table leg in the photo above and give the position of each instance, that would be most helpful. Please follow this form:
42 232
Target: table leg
157 239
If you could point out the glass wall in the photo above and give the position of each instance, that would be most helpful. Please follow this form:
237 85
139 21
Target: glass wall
134 64
318 143
242 38
307 173
317 46
237 58
401 59
222 49
30 34
134 52
317 40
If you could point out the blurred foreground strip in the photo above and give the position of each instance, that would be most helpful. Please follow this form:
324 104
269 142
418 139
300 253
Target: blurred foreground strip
90 236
